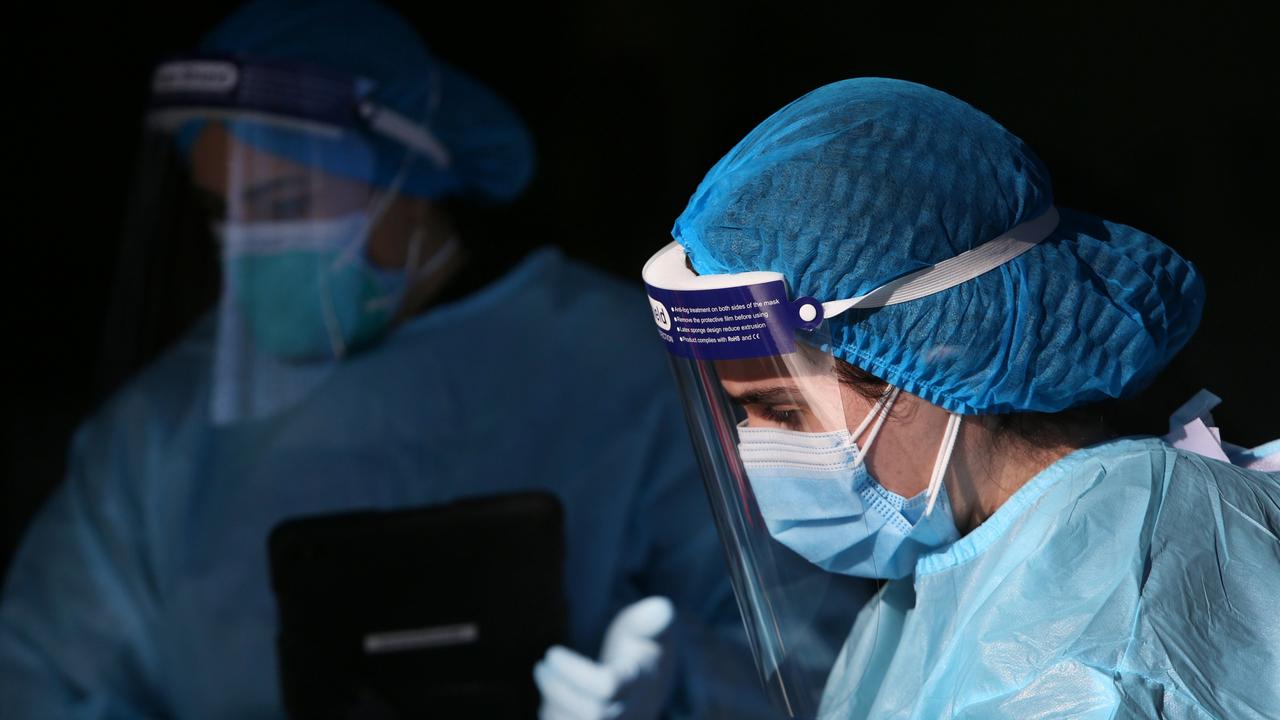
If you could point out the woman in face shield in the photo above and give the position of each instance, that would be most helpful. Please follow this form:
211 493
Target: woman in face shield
891 345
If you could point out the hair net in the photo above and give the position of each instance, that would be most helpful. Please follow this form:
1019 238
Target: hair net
863 181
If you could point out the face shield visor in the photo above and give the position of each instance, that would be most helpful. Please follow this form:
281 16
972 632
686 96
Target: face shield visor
282 175
782 436
756 374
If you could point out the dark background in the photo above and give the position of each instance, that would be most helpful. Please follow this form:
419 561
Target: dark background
1158 116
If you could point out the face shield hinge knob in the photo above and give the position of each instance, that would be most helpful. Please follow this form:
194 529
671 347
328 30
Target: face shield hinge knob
807 313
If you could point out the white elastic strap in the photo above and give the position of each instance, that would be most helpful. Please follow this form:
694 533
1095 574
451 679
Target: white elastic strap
875 411
411 260
380 205
331 324
881 414
442 255
403 130
943 460
953 271
415 249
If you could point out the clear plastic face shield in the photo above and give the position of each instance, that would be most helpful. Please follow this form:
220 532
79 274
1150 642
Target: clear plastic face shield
783 435
763 400
279 174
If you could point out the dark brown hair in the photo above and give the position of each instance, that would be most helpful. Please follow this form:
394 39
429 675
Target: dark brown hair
1075 427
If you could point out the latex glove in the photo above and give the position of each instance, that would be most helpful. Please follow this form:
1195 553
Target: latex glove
631 680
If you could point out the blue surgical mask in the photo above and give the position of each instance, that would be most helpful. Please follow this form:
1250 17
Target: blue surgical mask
819 499
305 289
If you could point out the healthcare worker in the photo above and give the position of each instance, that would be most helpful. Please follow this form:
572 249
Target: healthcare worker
891 344
365 353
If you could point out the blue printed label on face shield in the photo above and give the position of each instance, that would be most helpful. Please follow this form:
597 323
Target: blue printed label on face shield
725 323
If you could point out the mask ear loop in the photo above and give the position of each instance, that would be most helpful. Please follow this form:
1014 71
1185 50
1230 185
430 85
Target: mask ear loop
873 413
437 260
880 414
331 324
943 460
411 259
413 273
380 206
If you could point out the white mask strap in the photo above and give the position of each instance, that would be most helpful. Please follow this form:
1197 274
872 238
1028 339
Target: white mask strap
879 414
412 273
415 249
381 204
872 413
331 324
442 255
943 460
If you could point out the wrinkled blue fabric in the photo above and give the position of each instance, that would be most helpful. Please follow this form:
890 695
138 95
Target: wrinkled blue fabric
862 181
492 152
141 589
1127 580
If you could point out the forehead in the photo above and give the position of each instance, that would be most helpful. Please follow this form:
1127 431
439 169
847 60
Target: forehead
806 362
751 371
806 371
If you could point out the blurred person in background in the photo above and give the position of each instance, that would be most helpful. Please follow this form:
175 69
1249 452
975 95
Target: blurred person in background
364 352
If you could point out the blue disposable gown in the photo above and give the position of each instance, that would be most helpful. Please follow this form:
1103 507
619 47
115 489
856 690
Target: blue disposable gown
1127 580
142 589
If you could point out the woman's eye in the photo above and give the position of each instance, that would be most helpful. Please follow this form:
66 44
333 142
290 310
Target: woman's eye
788 418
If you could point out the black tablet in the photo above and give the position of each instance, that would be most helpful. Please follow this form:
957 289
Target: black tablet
438 611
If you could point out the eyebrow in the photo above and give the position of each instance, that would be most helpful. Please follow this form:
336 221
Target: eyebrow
266 187
768 396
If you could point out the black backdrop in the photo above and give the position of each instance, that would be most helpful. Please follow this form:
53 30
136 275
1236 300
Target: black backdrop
1156 115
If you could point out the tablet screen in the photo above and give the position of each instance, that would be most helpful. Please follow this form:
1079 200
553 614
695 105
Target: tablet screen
438 611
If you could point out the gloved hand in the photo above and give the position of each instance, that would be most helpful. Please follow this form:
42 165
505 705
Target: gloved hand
632 679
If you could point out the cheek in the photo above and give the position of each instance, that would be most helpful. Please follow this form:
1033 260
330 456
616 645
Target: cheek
388 245
856 407
904 452
899 464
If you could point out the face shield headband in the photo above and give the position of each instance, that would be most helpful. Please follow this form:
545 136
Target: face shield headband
750 315
314 99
